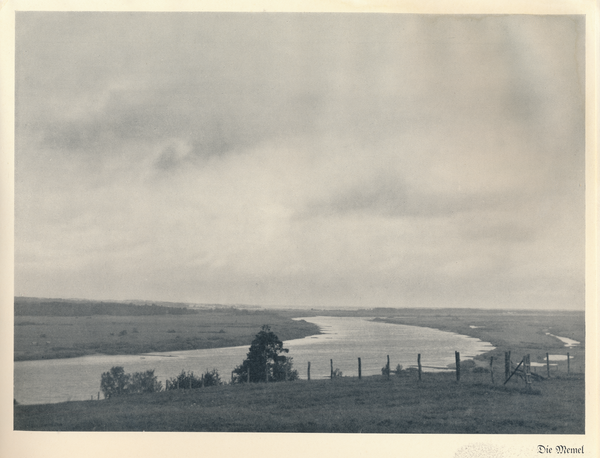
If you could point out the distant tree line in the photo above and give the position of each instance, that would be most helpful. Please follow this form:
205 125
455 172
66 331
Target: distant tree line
96 308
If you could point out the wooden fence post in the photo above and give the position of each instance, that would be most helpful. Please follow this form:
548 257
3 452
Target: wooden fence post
419 365
331 370
308 370
492 368
506 366
98 395
387 367
548 365
359 370
568 363
527 367
248 378
457 359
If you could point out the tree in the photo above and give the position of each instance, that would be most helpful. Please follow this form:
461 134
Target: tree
265 360
115 382
144 382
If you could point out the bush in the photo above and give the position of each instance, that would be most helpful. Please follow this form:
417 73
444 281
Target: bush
144 382
212 378
114 382
337 373
117 383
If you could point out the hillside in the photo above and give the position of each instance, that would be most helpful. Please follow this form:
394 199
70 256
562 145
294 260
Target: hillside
402 404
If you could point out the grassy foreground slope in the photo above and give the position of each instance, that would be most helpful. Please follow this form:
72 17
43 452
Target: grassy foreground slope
402 404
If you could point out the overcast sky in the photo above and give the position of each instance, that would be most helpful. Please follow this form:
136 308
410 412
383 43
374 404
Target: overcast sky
301 159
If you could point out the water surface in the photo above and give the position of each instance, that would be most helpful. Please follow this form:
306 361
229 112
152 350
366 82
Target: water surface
343 340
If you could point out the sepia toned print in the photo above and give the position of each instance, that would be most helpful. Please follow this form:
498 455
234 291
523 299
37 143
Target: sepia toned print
303 222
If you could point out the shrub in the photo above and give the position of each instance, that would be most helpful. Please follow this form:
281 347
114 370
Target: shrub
337 373
117 383
184 381
187 380
211 378
114 382
144 382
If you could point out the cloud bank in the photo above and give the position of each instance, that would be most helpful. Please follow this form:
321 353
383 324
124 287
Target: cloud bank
321 160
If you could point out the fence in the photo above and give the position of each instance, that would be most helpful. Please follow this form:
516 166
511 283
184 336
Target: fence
522 370
512 371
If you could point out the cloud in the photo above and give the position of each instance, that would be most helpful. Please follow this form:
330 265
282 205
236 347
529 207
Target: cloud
311 159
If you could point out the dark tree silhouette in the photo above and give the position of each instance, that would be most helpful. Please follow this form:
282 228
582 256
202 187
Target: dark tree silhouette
265 361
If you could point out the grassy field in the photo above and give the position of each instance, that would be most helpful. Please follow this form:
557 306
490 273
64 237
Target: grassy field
50 337
437 404
520 332
402 404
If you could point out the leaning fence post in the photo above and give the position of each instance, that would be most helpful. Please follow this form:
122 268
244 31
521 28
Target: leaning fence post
419 365
359 370
457 359
568 364
331 370
492 368
548 365
308 371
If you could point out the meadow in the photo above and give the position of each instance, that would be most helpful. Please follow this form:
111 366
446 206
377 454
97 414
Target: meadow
51 337
377 404
401 404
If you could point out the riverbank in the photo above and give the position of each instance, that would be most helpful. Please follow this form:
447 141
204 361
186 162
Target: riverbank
401 404
57 337
520 332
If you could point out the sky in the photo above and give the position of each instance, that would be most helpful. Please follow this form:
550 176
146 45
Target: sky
311 160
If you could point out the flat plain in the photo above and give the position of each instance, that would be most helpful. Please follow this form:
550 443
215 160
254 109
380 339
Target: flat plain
51 337
399 404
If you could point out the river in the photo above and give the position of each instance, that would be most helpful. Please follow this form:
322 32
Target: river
343 340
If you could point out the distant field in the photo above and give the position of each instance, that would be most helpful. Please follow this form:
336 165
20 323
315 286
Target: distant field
520 332
438 404
50 337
